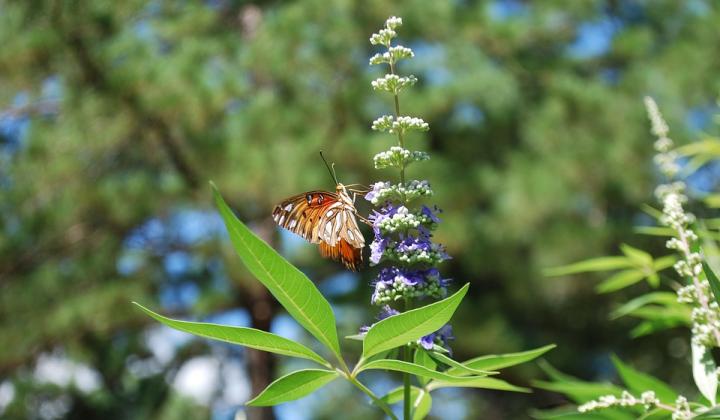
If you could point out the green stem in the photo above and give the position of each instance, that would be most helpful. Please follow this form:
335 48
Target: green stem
406 356
399 133
380 403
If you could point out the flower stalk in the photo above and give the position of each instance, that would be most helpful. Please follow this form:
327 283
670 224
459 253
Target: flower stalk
403 242
705 313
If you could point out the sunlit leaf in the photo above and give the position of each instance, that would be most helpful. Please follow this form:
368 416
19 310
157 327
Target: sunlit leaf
409 326
713 280
704 371
594 264
473 382
461 368
422 358
407 367
295 292
248 337
421 405
396 395
638 256
579 391
498 361
620 280
639 382
637 303
293 386
654 230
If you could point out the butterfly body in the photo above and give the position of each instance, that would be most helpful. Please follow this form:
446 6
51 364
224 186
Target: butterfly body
325 218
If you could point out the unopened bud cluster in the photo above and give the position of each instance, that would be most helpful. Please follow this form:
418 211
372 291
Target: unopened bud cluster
648 400
401 125
705 312
398 157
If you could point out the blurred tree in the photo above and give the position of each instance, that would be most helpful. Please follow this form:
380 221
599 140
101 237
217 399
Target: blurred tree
115 114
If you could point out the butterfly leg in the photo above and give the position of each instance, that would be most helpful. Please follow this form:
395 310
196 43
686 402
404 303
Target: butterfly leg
364 220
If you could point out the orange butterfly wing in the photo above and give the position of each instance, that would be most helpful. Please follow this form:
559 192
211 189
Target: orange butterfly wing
327 219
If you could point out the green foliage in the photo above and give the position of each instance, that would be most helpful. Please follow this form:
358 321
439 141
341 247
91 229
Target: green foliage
248 337
305 303
409 326
295 292
639 382
540 156
293 386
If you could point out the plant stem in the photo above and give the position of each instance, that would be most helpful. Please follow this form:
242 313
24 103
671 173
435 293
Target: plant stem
399 133
406 356
380 403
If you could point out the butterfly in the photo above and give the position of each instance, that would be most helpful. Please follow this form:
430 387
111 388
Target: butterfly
325 218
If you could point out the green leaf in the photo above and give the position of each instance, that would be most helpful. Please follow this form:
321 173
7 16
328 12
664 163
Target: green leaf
594 264
654 230
293 386
573 414
639 382
248 337
295 292
422 405
474 382
620 280
397 394
638 256
713 280
664 262
462 369
499 361
403 328
580 391
704 372
422 358
639 302
407 367
712 414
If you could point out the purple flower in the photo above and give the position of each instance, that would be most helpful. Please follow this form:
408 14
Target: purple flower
440 337
432 215
376 188
385 312
394 283
377 247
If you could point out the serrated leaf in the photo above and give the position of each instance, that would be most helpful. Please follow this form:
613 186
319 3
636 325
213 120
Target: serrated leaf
498 361
403 328
408 367
293 386
461 368
422 404
639 382
295 292
474 382
713 280
248 337
594 264
704 372
620 280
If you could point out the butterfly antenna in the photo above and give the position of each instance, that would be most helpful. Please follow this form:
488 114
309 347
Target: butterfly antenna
330 168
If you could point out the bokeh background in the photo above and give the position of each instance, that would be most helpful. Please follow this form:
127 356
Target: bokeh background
115 115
